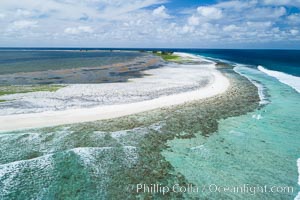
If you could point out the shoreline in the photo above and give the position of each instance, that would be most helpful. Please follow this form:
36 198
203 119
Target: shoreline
218 84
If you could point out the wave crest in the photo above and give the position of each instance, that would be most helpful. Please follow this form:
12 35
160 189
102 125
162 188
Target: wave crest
290 80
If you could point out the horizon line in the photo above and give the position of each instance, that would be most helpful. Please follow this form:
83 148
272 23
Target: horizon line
149 48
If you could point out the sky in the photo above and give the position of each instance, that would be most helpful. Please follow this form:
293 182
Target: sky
150 23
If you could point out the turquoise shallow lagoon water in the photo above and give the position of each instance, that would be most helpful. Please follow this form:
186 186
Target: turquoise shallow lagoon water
259 148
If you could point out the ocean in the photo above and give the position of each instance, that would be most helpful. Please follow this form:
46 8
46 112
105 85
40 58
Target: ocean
286 61
257 149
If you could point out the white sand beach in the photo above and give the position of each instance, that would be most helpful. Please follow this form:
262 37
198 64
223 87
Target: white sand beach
171 85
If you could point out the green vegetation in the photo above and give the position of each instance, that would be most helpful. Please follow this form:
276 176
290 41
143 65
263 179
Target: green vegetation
167 56
14 89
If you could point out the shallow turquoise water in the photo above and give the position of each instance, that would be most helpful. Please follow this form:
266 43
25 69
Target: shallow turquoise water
260 148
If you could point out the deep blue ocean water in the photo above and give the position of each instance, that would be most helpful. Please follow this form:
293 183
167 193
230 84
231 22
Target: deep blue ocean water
287 61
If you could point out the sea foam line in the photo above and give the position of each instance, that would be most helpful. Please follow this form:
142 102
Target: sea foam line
298 165
290 80
260 88
261 92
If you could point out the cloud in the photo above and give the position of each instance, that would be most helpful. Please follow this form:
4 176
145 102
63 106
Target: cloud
75 9
2 16
294 18
294 32
141 23
78 30
236 5
193 20
266 13
210 12
23 24
230 28
295 3
187 29
241 22
23 13
259 25
161 12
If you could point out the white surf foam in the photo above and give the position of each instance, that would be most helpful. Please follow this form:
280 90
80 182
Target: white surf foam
290 80
298 165
297 197
88 155
261 93
195 57
260 88
201 150
10 173
258 116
